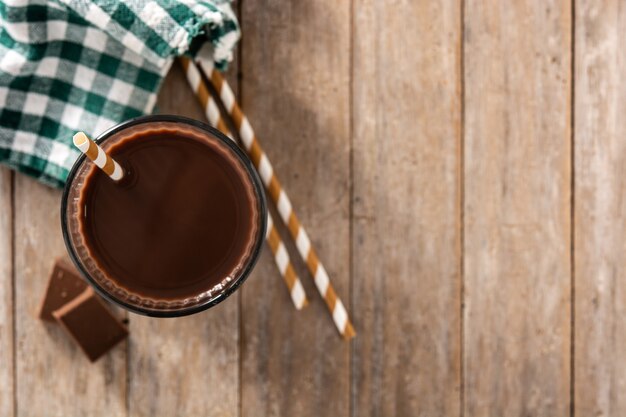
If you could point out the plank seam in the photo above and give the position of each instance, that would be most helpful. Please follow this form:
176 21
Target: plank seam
572 211
127 364
461 147
351 351
13 291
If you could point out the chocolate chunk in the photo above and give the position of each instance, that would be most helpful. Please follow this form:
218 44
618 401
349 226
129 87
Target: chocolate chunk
64 285
91 324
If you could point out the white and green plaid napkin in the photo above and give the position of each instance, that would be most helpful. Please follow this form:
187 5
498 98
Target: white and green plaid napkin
68 65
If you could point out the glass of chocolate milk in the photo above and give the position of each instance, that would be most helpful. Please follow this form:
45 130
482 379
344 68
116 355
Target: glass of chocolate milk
183 228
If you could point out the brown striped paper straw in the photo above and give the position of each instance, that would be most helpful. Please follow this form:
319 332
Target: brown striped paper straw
281 257
98 156
279 197
296 290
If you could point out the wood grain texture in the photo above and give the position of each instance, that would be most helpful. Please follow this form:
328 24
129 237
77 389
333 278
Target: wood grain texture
186 366
6 295
517 211
54 378
427 149
600 209
295 90
406 212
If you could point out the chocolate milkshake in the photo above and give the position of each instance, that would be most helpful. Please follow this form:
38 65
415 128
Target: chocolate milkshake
182 228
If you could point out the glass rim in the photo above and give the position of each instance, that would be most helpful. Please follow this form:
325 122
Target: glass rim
250 262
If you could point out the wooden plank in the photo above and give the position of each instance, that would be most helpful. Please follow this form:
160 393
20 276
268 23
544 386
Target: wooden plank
6 295
185 366
406 211
54 378
600 209
517 208
295 90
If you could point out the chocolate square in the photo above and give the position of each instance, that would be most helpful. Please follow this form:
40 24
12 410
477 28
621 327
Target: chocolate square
64 285
91 324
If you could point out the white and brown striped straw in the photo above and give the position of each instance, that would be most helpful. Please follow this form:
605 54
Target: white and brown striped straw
281 257
98 156
280 198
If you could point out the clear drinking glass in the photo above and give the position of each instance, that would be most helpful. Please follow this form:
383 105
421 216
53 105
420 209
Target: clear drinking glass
96 277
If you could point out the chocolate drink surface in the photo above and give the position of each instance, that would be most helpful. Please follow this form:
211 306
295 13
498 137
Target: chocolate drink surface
179 224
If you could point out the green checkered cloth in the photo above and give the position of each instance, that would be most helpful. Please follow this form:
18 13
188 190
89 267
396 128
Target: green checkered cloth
68 65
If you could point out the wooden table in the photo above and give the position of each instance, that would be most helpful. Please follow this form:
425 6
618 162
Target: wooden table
460 168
